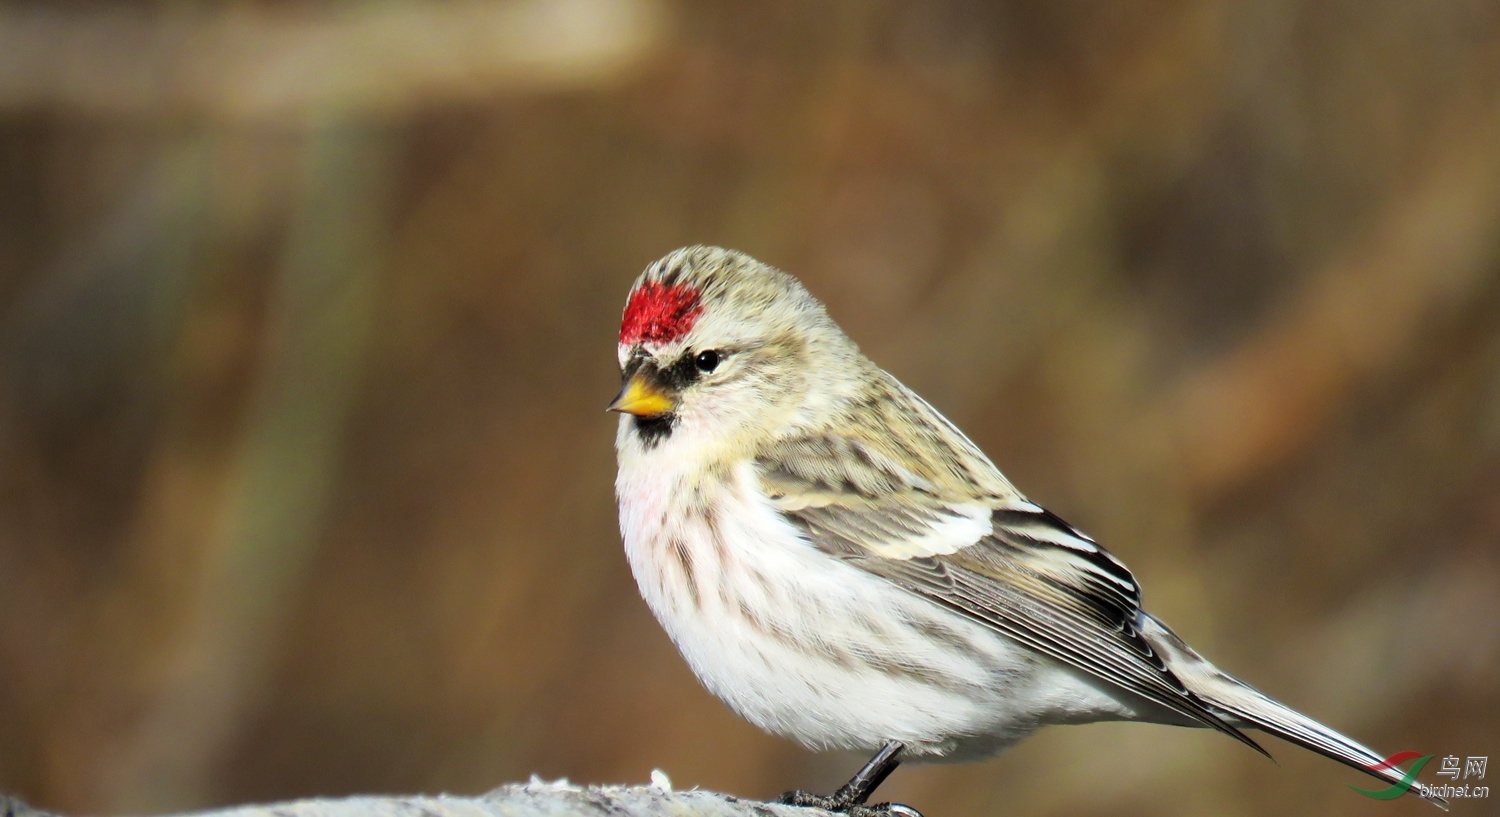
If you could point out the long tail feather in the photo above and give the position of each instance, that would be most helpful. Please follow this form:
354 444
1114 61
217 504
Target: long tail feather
1255 709
1246 706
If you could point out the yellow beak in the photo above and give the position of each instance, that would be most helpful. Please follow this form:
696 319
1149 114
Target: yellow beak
642 398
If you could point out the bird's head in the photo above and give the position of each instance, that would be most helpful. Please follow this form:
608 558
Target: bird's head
716 346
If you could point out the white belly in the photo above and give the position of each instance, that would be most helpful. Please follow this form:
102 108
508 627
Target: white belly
818 650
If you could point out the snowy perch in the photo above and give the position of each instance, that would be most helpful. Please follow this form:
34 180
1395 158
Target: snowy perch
534 799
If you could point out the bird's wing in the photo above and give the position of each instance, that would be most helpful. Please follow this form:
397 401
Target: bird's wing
1001 561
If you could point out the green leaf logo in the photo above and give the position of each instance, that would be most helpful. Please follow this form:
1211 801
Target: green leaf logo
1407 780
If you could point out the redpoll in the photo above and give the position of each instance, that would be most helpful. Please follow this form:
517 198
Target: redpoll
843 567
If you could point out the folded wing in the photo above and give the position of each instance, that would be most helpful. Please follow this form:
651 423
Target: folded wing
1002 561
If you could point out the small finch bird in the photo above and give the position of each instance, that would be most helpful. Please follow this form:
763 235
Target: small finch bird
843 567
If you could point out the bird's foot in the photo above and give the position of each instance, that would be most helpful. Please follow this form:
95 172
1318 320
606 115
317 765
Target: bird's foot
845 805
850 798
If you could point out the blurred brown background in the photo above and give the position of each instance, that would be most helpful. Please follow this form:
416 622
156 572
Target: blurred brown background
308 313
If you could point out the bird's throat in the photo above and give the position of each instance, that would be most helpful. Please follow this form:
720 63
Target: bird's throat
653 430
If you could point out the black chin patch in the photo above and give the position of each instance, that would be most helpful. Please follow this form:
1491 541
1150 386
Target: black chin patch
655 429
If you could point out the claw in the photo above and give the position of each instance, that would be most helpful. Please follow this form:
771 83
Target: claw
850 798
838 805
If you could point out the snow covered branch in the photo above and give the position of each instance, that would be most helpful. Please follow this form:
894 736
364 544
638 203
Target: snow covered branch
534 799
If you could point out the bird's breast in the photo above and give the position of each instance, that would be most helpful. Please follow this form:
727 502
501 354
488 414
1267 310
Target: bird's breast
796 641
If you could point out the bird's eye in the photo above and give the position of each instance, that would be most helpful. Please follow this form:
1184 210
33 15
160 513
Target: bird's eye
707 360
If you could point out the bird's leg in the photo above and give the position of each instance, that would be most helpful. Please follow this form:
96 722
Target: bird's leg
850 798
870 776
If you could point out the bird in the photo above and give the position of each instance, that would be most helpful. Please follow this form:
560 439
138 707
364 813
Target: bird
843 567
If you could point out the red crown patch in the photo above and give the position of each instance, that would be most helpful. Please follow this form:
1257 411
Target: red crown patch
659 313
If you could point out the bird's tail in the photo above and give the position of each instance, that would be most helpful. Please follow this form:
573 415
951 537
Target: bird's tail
1246 706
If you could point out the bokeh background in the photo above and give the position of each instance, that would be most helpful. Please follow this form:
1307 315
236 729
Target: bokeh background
308 313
